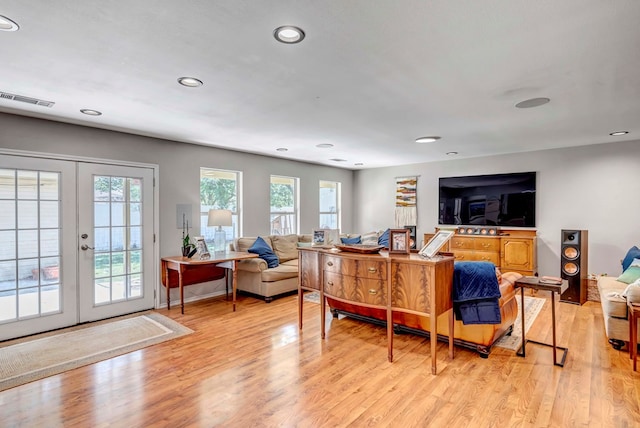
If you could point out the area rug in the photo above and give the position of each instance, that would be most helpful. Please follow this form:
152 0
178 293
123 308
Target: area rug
532 307
313 297
36 357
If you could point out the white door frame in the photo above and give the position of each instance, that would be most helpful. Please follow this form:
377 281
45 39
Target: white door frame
156 200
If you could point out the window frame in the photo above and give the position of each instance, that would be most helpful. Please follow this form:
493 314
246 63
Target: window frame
338 202
236 228
296 203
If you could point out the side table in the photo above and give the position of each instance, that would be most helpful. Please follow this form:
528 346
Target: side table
634 314
534 284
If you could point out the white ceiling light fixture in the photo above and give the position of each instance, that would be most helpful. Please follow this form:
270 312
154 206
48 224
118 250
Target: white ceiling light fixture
324 146
358 164
282 149
190 82
617 133
338 160
423 140
532 102
91 112
7 24
451 153
289 34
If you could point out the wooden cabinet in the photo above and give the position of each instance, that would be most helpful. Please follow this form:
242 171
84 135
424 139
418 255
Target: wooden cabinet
390 284
512 250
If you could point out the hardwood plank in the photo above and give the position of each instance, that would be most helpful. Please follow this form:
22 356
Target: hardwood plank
254 367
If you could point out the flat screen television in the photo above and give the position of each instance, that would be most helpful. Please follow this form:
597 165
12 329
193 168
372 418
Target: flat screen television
489 200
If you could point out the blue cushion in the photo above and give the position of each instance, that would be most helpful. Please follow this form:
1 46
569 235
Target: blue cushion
633 253
264 251
384 239
350 241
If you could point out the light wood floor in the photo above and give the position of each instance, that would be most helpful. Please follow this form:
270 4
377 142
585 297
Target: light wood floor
255 368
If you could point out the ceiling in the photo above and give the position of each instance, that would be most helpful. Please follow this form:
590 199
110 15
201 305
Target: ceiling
370 77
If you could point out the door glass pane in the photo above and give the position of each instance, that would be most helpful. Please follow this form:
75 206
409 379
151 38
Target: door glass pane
8 301
50 298
28 302
7 214
8 247
49 214
118 235
7 184
27 214
49 186
49 242
27 184
28 273
27 244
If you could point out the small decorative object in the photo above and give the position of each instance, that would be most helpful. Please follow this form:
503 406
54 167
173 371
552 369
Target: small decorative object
188 249
220 218
433 246
399 241
201 248
318 237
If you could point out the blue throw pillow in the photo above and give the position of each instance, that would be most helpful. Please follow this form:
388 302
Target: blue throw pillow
264 251
384 239
350 241
633 253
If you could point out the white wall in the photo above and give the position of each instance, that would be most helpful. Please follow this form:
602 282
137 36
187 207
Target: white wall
596 188
179 180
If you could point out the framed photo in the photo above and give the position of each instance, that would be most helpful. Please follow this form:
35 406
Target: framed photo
433 246
201 247
325 237
399 241
318 238
412 236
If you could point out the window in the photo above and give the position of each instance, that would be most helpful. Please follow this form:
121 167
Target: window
220 189
329 205
284 205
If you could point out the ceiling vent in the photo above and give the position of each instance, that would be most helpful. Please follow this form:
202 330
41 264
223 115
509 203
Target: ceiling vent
28 100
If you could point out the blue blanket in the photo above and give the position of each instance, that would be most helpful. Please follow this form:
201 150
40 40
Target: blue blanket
476 293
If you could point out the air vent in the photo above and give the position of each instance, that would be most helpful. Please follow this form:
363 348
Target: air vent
28 100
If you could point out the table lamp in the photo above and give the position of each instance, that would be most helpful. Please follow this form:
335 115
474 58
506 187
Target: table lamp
219 218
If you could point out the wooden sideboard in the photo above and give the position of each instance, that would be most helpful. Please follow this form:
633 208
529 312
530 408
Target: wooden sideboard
512 250
393 283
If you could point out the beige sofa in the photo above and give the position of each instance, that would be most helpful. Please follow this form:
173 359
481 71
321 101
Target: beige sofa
255 277
614 310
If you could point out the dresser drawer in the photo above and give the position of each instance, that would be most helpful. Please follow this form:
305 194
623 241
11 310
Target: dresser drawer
477 256
487 244
340 265
357 290
373 269
461 243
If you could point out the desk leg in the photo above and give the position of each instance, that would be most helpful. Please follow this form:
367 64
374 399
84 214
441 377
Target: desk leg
166 273
433 337
451 333
235 283
633 337
323 312
181 290
553 326
226 283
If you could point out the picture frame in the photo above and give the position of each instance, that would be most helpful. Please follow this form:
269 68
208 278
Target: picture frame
438 240
318 239
325 237
201 248
412 236
399 241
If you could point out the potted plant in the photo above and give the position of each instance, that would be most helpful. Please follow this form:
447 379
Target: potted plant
188 249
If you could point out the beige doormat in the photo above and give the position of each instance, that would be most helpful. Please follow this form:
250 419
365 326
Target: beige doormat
35 357
532 307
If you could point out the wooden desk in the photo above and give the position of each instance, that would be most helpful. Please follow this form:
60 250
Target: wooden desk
533 283
228 260
634 315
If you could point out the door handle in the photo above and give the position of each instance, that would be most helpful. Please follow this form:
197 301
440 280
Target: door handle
85 247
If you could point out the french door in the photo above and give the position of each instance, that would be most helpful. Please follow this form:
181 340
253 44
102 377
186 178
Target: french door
76 243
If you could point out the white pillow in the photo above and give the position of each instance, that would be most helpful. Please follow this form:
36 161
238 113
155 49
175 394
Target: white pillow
635 262
635 283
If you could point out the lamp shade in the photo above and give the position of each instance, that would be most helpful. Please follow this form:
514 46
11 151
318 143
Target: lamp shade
219 218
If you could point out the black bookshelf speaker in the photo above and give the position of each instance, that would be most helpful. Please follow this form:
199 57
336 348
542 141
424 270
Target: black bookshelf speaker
574 256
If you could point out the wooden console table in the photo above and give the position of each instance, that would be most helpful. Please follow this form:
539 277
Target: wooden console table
181 264
395 283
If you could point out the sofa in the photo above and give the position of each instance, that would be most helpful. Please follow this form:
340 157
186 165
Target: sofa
479 337
254 275
614 310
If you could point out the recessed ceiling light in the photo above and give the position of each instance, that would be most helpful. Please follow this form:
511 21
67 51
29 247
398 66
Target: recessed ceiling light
288 34
338 160
7 24
324 146
615 134
533 102
91 112
358 164
427 139
191 82
282 149
452 153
